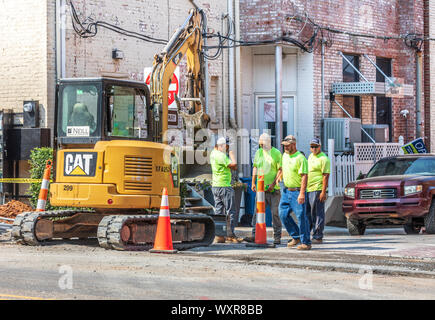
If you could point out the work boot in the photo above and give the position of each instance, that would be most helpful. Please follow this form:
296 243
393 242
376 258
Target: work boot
293 243
219 239
304 246
317 241
277 241
249 239
233 239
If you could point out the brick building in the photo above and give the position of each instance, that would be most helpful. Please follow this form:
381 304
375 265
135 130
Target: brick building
356 28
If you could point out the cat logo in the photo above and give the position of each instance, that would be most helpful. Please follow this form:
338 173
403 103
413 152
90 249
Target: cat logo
80 163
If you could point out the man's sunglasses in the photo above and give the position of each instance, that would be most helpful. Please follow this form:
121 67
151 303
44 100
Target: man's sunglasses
314 147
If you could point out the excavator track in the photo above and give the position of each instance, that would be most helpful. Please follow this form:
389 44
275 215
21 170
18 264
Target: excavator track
111 234
23 229
118 232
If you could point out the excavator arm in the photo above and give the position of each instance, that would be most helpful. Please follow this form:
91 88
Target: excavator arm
186 41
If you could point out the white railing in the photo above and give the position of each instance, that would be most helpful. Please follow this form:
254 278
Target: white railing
346 168
366 154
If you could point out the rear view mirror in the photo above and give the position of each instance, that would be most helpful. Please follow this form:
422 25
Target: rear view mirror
361 176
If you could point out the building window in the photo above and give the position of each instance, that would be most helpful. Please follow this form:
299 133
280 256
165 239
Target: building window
351 103
384 104
349 73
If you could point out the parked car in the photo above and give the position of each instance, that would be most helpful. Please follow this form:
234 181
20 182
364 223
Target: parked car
397 190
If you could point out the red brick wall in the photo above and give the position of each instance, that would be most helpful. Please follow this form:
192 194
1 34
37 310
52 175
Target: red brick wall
262 20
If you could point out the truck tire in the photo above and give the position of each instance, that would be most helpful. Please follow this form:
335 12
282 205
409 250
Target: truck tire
429 219
410 228
355 227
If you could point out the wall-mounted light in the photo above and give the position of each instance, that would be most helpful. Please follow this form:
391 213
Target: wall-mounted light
117 54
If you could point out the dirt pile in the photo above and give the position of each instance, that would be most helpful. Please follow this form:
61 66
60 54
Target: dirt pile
13 208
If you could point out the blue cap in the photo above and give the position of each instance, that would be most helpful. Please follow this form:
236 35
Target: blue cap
315 141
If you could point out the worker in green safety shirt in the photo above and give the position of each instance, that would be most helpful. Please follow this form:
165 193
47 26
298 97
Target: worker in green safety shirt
267 163
223 192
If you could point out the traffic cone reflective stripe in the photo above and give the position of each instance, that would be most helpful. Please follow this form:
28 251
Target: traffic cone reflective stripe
260 226
43 193
163 239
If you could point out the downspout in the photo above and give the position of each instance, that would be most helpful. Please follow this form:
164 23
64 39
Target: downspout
323 80
60 39
231 70
206 73
224 80
238 73
418 58
278 96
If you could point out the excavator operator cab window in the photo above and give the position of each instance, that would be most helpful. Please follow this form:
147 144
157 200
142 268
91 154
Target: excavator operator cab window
127 107
79 112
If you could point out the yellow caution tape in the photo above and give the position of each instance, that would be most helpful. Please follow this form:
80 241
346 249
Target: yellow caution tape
19 180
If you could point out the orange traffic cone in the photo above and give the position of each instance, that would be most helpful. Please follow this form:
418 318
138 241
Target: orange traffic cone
260 226
163 239
43 193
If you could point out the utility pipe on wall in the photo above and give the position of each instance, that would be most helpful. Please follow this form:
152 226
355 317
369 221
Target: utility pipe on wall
418 58
231 81
278 96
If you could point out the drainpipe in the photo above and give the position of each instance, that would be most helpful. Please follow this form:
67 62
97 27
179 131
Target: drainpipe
238 73
418 58
206 73
60 39
231 70
323 79
278 96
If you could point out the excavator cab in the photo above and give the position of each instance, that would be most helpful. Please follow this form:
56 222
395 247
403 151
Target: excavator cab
98 109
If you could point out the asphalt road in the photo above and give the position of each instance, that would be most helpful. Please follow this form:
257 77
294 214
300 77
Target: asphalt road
383 264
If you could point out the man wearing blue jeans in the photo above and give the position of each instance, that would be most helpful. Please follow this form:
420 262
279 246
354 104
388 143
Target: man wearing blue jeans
293 195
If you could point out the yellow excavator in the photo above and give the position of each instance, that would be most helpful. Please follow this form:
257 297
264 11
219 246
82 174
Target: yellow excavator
111 156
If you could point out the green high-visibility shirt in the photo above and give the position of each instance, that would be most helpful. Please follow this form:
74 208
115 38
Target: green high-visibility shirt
293 166
268 163
317 166
219 166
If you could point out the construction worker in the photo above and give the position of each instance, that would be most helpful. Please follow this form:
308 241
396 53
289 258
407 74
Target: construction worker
267 163
223 193
81 116
318 177
293 195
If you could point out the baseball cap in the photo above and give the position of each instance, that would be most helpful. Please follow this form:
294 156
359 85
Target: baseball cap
222 140
288 140
315 142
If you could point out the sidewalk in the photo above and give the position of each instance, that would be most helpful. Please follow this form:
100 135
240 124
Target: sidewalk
391 242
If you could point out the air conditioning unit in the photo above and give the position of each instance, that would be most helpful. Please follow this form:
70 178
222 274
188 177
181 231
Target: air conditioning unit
345 132
379 132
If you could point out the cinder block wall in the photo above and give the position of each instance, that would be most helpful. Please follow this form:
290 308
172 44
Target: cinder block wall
25 53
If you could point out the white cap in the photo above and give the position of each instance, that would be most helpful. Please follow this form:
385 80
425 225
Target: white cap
221 140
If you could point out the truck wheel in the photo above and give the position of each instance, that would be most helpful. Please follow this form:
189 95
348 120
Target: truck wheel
429 219
355 227
410 228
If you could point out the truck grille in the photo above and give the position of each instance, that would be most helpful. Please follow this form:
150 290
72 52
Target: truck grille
377 194
135 167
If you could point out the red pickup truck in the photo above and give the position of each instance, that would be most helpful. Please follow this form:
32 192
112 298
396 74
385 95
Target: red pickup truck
397 190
